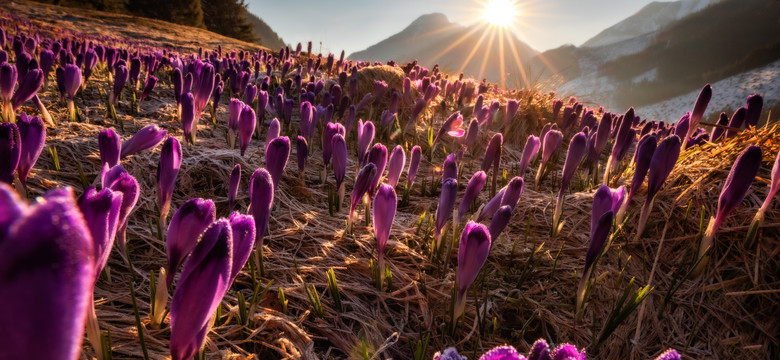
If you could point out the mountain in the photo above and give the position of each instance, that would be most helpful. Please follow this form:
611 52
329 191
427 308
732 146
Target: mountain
266 36
474 50
712 43
650 18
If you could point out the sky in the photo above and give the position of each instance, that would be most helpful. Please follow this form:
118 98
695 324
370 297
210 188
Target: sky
353 25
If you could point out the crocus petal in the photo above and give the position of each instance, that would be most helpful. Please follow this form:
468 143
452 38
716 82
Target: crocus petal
167 171
339 148
302 152
246 127
414 164
32 134
741 176
243 228
233 182
567 352
502 353
56 258
378 157
201 287
395 165
539 350
670 354
493 153
28 87
475 185
110 146
449 193
530 150
143 140
187 223
101 214
500 221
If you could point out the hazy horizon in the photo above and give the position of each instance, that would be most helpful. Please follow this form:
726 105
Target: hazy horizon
543 25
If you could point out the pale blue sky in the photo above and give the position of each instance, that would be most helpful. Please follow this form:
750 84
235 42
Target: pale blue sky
353 25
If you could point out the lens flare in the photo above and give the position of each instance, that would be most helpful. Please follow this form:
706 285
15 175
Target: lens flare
500 12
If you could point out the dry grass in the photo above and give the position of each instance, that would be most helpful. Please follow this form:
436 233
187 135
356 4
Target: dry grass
721 314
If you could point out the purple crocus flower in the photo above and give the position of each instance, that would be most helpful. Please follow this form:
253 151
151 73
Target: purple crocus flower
8 76
670 354
741 176
38 255
233 182
511 109
532 145
121 75
448 354
415 113
504 352
365 135
698 111
328 132
493 156
261 197
605 199
539 350
302 152
178 85
499 221
754 104
414 164
567 352
623 139
471 134
32 134
383 213
246 127
167 171
72 81
552 140
451 126
598 239
149 85
234 112
117 179
274 129
101 215
717 132
378 157
574 156
472 253
661 164
643 155
450 168
203 283
10 151
307 120
737 119
475 185
395 165
339 148
277 153
362 183
243 231
449 193
143 140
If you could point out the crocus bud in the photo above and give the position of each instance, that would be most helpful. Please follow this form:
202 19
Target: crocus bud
10 151
101 215
274 129
471 134
598 238
365 135
552 140
187 104
121 75
143 140
741 176
328 132
307 120
661 165
573 158
339 146
511 109
233 182
167 171
623 139
493 156
500 221
539 350
378 157
698 110
110 146
243 229
683 125
472 253
449 193
605 199
717 132
567 352
302 152
149 85
450 168
644 153
203 283
473 188
261 197
737 119
277 153
753 114
362 183
117 179
532 145
395 165
414 164
383 213
8 76
72 80
45 249
504 352
178 84
246 127
32 134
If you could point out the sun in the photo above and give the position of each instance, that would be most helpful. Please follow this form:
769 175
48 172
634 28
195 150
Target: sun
500 12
